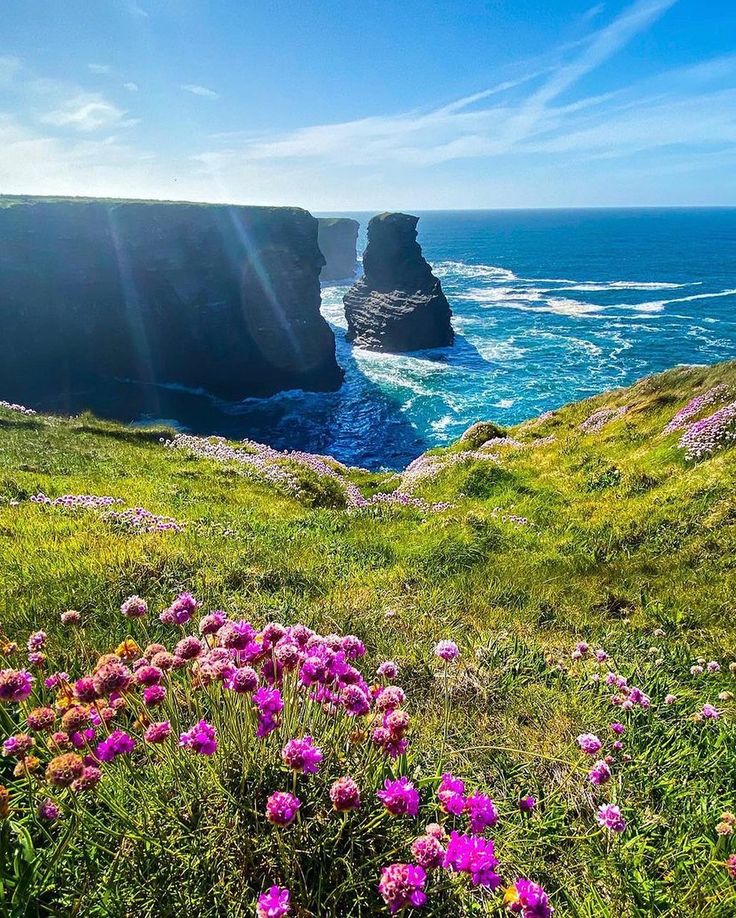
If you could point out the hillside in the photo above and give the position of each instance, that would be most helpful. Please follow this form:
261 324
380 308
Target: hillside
591 524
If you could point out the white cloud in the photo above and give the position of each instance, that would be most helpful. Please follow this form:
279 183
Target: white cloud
9 67
131 86
200 90
87 112
99 68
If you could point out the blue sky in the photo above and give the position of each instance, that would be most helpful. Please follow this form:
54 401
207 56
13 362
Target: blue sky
372 104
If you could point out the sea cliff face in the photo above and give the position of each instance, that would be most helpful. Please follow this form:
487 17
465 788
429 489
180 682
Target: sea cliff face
398 305
210 297
338 239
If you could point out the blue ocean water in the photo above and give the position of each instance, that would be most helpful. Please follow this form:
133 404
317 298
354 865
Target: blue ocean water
548 307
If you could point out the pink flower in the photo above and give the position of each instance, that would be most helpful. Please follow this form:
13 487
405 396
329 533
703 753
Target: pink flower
201 739
153 695
345 795
482 813
157 732
599 773
134 607
427 852
302 755
399 797
451 794
589 743
447 651
117 743
281 808
473 855
708 712
274 903
609 816
402 886
388 670
15 684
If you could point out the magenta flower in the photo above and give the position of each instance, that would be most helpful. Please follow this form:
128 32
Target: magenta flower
709 712
153 695
402 886
355 700
388 670
201 739
36 641
48 811
70 617
599 773
451 794
618 728
352 647
180 611
84 689
157 732
188 648
473 855
482 813
15 684
211 624
399 797
302 755
345 795
274 903
281 808
428 852
589 743
134 607
529 900
149 675
112 677
609 816
242 680
390 697
269 703
527 804
117 743
447 651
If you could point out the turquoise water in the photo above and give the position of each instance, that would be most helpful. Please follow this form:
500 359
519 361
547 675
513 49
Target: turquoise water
548 307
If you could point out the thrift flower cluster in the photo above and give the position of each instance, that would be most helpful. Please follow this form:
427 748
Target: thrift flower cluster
12 406
695 406
599 419
254 689
133 519
705 437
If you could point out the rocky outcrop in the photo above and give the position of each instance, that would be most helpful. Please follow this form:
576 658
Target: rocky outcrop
338 239
398 305
210 297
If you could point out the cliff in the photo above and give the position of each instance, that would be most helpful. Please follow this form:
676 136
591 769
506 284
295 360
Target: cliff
338 238
224 299
398 305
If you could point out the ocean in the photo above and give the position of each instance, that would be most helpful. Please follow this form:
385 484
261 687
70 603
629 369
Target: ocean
548 307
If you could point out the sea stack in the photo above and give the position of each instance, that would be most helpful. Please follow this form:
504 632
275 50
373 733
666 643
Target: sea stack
219 299
398 305
338 241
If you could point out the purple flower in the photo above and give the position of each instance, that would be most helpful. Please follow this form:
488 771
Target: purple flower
402 886
84 689
236 635
48 811
589 743
134 607
527 804
528 899
157 732
428 852
281 808
352 647
451 794
269 704
618 729
180 611
153 695
708 712
18 745
70 617
599 773
274 903
149 675
200 739
188 648
15 684
345 795
473 855
211 624
355 700
36 641
242 680
388 670
482 813
447 651
302 755
117 743
609 816
390 697
399 797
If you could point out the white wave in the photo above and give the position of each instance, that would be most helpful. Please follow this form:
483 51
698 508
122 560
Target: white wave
460 268
658 305
594 287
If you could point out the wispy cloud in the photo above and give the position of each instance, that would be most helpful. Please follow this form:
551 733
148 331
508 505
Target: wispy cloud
131 86
9 67
99 68
197 90
87 112
464 128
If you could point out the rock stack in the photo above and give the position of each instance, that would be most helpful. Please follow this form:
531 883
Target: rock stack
398 305
338 239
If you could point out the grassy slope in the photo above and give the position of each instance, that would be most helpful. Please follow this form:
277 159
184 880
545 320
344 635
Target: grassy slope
625 537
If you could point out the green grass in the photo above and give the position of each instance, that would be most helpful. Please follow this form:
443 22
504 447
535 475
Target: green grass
625 537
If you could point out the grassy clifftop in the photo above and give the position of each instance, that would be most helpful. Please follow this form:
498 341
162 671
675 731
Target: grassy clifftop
590 524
